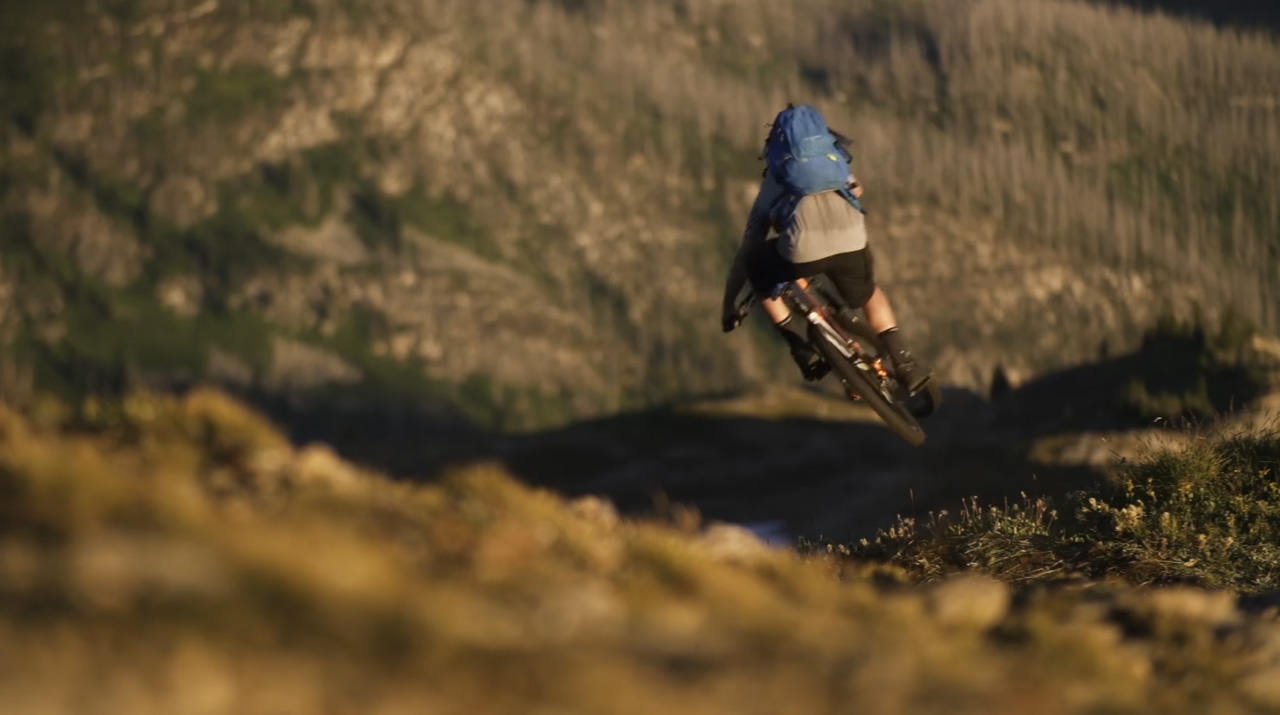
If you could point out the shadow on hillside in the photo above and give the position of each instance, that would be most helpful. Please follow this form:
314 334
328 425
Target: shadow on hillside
1174 375
832 471
845 478
837 476
792 476
1245 14
399 437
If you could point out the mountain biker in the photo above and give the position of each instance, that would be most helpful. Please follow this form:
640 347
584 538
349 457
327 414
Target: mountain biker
824 234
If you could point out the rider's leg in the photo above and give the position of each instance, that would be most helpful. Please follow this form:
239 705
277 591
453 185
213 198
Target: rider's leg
854 277
884 322
776 307
766 269
879 312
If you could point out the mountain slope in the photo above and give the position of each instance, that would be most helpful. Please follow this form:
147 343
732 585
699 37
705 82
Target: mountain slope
522 215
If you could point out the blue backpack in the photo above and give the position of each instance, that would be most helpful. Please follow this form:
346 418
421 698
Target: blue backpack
804 157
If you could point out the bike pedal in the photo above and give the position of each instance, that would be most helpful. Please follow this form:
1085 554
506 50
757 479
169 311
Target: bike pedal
850 393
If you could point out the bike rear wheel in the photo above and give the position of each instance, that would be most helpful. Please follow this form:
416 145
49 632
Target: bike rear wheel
872 390
920 405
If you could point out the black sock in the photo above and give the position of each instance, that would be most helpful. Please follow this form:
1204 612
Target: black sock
792 331
892 341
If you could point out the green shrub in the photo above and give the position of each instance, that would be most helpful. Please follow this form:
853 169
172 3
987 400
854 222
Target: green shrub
224 250
376 220
115 337
1209 514
221 97
1235 331
110 334
1149 404
380 220
1184 373
1018 541
272 197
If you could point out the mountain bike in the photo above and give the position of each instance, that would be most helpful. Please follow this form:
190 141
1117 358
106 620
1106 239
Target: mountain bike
853 351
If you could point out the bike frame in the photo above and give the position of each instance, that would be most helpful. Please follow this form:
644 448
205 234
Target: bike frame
865 378
798 299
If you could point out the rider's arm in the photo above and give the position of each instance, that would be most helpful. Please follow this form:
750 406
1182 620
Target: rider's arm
756 232
854 185
760 220
734 283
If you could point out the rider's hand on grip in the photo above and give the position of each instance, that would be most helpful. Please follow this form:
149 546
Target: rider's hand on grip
729 321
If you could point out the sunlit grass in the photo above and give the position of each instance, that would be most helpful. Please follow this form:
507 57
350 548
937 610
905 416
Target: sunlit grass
1207 514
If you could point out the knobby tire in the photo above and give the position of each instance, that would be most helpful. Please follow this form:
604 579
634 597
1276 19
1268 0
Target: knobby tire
920 405
895 416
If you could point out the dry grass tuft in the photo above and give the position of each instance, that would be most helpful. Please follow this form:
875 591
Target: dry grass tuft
1207 514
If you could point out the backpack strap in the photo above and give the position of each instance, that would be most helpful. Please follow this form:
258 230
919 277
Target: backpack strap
847 193
842 144
783 209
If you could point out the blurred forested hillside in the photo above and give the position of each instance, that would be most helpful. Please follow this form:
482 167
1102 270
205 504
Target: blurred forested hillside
519 213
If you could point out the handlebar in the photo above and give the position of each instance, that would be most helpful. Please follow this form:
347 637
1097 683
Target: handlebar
744 306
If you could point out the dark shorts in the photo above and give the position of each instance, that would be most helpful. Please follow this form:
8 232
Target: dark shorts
852 274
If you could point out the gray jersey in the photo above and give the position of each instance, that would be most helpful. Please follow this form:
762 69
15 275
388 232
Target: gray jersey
823 225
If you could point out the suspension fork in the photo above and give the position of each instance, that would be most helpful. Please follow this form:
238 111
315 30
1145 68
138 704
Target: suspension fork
817 316
816 313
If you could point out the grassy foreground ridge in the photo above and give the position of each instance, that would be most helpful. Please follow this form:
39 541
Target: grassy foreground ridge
1208 513
304 189
169 554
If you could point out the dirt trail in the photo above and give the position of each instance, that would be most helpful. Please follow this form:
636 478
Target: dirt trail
824 466
817 463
